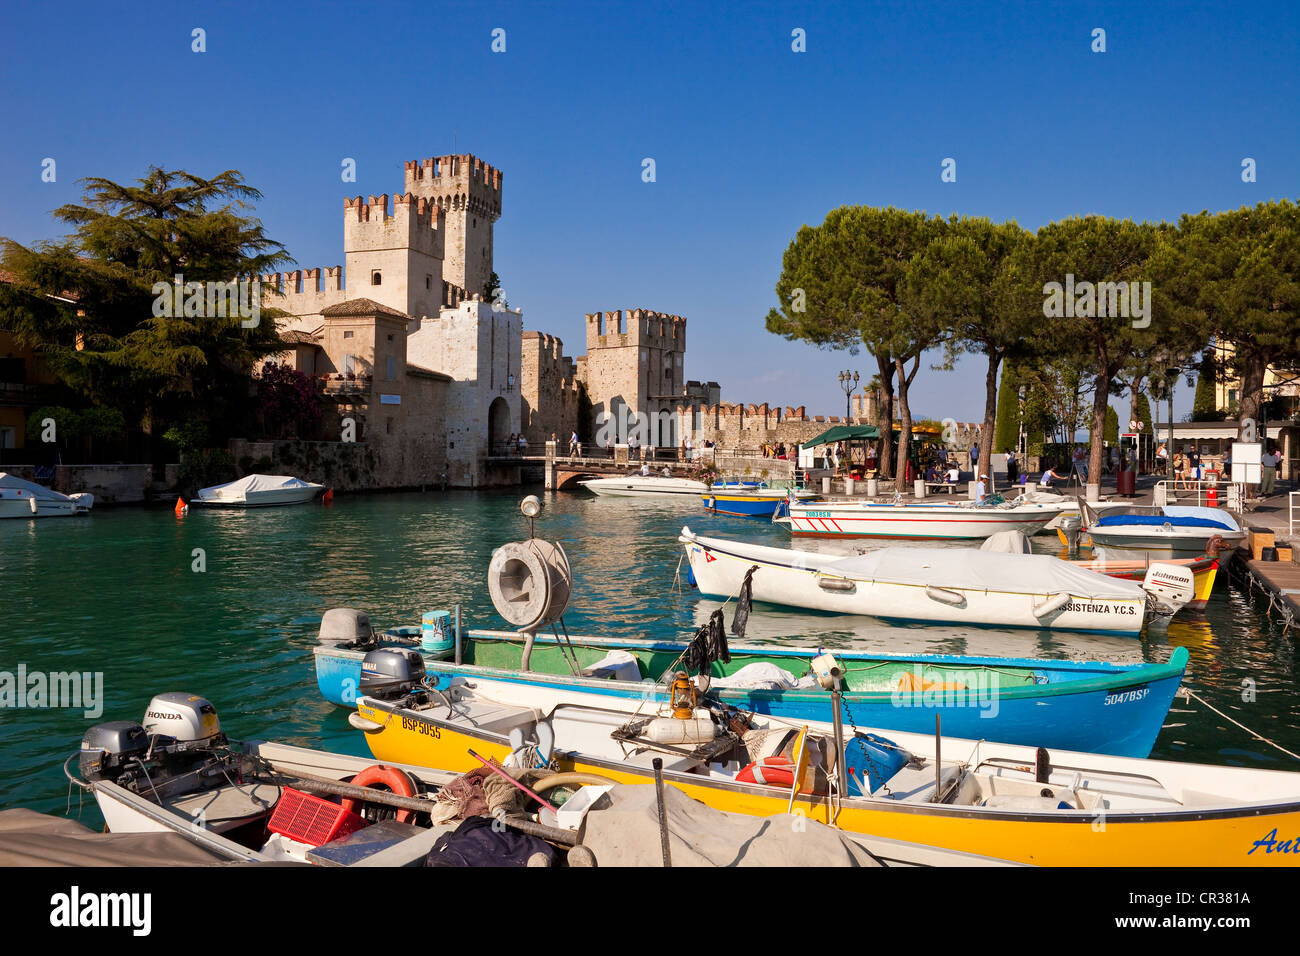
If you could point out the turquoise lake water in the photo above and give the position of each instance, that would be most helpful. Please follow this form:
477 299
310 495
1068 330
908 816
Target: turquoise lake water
115 592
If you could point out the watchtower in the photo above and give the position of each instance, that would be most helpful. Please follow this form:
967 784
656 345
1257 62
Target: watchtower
468 191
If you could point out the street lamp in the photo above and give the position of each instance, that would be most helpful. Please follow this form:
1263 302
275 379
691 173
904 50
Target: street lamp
849 383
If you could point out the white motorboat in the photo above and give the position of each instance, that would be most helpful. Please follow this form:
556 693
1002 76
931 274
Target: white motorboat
637 485
885 519
941 585
1169 530
26 499
258 491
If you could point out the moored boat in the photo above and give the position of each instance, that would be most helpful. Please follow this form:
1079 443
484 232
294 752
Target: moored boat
883 519
645 486
1015 802
751 502
1174 530
940 585
258 491
26 499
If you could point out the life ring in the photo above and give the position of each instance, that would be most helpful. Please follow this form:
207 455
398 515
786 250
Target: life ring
380 777
770 771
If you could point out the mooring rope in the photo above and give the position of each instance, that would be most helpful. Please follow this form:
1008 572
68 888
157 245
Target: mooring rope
1194 696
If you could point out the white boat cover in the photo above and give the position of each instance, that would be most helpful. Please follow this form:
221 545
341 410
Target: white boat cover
973 570
39 492
622 829
250 484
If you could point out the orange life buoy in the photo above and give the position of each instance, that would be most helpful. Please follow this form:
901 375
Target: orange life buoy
390 778
770 771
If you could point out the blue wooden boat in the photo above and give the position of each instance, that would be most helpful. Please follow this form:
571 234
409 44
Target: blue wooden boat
1073 705
749 502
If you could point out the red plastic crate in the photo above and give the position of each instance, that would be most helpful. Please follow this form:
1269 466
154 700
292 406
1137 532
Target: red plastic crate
311 820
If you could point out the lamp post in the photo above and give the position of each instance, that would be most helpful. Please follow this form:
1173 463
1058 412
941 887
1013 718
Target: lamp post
849 383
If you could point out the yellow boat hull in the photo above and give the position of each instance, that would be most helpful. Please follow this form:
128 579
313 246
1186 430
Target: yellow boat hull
1209 838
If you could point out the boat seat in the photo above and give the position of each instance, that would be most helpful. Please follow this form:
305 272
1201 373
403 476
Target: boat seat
916 784
502 718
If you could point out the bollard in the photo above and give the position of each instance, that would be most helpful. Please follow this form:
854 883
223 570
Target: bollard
872 487
848 486
826 486
918 488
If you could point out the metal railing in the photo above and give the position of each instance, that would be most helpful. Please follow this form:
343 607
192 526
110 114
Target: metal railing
1210 493
1290 511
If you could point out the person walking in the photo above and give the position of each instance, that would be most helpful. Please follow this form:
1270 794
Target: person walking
1013 467
573 444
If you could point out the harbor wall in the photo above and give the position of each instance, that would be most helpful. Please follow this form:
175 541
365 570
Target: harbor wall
111 484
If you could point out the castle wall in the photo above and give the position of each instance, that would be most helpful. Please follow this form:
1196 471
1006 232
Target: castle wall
635 366
480 349
549 389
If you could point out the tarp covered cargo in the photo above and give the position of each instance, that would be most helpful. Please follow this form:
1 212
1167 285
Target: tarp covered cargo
28 838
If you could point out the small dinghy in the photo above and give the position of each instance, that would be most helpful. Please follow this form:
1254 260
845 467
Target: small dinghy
26 499
258 491
941 585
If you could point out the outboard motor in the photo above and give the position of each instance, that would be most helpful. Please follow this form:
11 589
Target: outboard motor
186 718
178 749
347 627
1071 526
108 749
391 672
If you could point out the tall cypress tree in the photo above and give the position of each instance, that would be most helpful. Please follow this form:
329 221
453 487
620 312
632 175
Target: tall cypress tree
1204 407
1007 433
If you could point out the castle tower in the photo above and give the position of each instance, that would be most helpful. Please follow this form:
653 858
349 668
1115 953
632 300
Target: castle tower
395 258
635 361
468 191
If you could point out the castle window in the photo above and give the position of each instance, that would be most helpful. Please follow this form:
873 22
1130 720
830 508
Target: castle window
428 282
390 338
391 367
347 335
376 278
388 425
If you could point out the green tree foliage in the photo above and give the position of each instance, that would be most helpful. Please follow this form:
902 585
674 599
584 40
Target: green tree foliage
1111 433
1238 280
1095 249
1007 433
965 289
840 288
88 302
1204 406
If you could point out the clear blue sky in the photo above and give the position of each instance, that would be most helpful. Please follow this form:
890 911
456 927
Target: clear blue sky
750 139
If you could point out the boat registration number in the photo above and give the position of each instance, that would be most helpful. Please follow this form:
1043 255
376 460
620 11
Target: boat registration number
1130 696
816 514
421 727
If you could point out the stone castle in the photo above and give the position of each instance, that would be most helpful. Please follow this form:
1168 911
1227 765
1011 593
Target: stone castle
435 378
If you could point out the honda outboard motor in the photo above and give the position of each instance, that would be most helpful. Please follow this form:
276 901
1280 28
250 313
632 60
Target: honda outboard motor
391 673
178 749
347 627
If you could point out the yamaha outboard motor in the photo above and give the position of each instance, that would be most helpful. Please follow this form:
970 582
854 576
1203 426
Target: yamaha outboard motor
108 749
391 672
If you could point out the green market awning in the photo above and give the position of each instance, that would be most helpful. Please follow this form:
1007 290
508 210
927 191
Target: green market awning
843 433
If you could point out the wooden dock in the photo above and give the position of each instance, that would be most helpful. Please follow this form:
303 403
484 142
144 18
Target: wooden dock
1279 581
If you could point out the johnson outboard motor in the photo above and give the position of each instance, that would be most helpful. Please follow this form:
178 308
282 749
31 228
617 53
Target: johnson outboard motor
391 673
1071 526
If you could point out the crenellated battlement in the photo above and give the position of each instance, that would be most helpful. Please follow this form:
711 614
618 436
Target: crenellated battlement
302 282
459 182
636 327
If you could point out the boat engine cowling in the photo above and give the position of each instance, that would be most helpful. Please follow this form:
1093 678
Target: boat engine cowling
186 718
346 625
391 672
108 748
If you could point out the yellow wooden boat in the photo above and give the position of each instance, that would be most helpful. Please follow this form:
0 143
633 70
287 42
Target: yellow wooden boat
997 800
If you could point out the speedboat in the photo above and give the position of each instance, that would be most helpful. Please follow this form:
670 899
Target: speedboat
26 499
940 585
1014 802
885 519
258 491
637 485
1185 530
